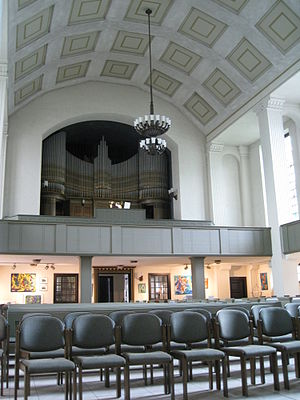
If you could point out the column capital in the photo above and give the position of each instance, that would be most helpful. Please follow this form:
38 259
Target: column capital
269 103
244 151
214 147
3 70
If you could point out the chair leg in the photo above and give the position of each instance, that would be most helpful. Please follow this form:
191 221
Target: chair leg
228 366
118 382
26 384
275 371
296 358
126 382
166 381
106 372
285 370
252 370
191 371
224 375
218 378
184 364
101 374
171 380
7 369
16 380
2 375
262 368
244 377
80 381
151 374
75 384
210 374
66 386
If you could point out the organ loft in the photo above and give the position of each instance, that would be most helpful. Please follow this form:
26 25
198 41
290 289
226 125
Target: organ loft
85 168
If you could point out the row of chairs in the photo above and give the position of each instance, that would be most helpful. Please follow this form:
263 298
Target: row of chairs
175 340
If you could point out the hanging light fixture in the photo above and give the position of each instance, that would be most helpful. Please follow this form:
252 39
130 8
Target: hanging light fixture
152 125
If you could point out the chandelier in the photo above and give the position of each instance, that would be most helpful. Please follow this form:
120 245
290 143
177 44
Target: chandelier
152 125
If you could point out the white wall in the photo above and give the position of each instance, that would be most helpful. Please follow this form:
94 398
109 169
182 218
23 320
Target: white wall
95 100
47 296
258 210
225 186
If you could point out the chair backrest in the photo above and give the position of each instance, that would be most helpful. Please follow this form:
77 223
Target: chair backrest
188 327
3 328
141 329
276 321
241 308
93 331
207 314
164 315
70 317
27 315
255 312
292 309
41 333
118 316
233 324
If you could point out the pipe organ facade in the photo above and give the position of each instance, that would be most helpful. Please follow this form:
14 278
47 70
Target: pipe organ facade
76 187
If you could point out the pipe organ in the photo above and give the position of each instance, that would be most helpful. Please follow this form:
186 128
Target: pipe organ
75 186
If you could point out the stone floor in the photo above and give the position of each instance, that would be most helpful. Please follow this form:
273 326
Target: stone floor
46 387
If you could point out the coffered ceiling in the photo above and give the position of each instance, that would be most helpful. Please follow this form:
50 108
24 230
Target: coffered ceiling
210 57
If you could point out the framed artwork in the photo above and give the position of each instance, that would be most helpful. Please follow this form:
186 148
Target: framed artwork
23 282
33 299
43 280
43 287
141 287
206 283
183 284
264 281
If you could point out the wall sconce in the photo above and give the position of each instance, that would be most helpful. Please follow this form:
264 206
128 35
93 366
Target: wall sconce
14 266
141 278
173 193
186 267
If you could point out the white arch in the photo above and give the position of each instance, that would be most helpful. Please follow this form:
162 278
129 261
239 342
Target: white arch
95 100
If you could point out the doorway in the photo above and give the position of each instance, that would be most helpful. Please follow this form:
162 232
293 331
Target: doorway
113 287
238 287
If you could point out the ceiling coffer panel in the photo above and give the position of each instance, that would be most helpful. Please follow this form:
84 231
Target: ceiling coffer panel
137 8
248 60
180 57
218 54
281 26
84 11
202 27
34 28
118 69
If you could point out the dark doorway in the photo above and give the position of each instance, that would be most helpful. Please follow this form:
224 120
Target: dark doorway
105 289
238 287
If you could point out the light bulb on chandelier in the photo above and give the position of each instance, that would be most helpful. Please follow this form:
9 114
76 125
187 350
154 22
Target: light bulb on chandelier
152 125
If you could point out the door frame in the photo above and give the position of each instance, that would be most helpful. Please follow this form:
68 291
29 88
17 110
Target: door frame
113 271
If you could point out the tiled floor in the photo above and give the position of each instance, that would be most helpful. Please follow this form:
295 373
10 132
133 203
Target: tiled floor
46 388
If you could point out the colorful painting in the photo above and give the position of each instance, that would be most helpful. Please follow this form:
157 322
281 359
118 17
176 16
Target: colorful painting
142 287
23 283
206 283
183 284
264 281
33 299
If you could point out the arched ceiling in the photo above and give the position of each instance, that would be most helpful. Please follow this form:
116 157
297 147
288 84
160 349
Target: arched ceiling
210 57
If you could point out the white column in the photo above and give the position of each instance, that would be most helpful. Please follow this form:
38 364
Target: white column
214 155
3 96
85 278
197 266
245 186
269 114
